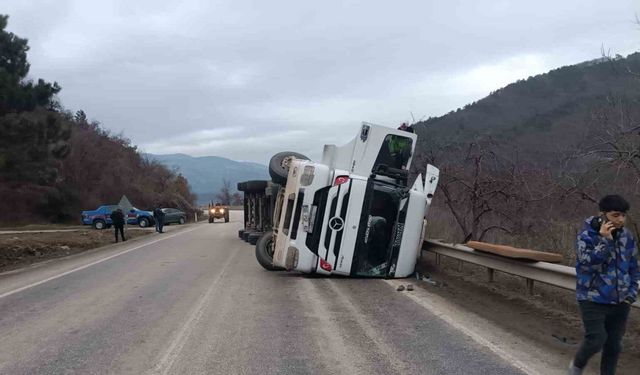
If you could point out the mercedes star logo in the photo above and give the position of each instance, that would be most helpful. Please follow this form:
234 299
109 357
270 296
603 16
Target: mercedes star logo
336 223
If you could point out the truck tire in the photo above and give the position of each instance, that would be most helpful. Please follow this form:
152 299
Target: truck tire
279 169
256 186
143 222
253 237
99 224
226 219
264 251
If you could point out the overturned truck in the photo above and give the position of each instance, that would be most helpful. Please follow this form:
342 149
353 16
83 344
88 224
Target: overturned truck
353 213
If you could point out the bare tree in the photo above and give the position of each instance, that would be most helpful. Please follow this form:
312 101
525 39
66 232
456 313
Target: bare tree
225 195
486 192
612 142
237 199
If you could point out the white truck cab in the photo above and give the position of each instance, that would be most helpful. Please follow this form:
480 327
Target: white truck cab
353 214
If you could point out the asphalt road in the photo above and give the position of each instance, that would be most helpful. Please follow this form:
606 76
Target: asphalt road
195 301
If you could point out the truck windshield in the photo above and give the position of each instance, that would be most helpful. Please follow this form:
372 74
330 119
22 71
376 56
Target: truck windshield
394 152
379 216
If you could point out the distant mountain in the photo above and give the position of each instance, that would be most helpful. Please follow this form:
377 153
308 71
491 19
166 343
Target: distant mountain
206 173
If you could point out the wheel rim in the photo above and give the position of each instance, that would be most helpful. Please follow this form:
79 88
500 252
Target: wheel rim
181 221
270 248
143 223
99 225
286 161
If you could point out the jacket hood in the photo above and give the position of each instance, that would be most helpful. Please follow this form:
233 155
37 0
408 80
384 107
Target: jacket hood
587 225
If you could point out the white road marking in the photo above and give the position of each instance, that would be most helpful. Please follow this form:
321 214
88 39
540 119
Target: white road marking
165 363
393 357
440 309
18 290
38 231
336 352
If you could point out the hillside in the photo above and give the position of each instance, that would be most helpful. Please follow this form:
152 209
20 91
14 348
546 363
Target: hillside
547 108
206 174
541 150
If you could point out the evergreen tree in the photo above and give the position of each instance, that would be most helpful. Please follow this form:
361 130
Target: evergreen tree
33 135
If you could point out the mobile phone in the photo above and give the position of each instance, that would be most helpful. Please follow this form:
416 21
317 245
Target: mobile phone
596 224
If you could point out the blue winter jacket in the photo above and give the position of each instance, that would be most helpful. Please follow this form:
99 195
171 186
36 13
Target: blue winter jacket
607 271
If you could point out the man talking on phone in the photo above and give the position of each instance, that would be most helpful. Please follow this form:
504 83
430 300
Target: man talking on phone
607 283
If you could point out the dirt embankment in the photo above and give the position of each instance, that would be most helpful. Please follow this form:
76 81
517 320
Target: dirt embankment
20 249
549 317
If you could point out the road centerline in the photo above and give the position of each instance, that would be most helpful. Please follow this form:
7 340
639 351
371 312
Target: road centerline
167 360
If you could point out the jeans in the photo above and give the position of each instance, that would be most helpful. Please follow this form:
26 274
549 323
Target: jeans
119 228
159 225
604 326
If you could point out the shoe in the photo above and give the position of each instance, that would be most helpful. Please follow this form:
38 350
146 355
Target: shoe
573 370
409 287
400 288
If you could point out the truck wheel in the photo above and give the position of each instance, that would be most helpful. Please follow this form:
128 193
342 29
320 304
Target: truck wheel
143 222
256 186
99 224
253 237
264 251
226 218
245 235
181 221
279 165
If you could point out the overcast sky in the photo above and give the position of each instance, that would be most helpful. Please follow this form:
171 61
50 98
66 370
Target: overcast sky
245 79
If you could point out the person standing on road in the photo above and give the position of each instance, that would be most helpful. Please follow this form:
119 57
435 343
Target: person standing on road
607 284
158 215
117 219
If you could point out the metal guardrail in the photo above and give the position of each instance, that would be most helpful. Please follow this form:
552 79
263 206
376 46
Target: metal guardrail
547 273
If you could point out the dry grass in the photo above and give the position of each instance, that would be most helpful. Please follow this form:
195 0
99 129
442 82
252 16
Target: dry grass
17 250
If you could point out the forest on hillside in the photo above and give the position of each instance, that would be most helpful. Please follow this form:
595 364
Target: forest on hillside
55 162
528 163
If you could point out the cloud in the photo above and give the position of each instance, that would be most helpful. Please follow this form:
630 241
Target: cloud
245 79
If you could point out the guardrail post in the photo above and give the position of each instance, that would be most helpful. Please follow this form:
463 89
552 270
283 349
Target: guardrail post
196 216
490 274
530 286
